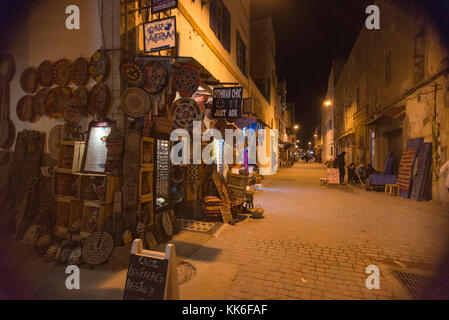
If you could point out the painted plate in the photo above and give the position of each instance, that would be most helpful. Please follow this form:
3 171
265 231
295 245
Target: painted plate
98 66
134 73
156 77
99 100
135 102
25 108
44 74
186 80
61 72
39 101
97 248
79 73
28 80
57 100
184 112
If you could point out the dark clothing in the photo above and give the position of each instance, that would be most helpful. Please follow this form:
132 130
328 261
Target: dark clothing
341 166
342 174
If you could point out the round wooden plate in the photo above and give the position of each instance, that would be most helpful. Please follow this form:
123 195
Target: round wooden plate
186 80
97 248
184 112
61 72
99 100
79 73
57 100
39 101
135 102
7 63
98 66
24 108
28 80
134 73
156 77
44 74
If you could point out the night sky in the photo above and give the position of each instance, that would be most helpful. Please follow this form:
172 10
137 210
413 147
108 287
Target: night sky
309 33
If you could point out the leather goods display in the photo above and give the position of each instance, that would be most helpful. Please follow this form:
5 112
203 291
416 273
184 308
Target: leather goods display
61 72
98 66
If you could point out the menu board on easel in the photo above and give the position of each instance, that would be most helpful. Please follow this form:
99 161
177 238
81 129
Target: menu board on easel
96 152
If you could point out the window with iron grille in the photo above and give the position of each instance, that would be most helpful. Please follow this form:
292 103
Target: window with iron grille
241 54
220 22
419 56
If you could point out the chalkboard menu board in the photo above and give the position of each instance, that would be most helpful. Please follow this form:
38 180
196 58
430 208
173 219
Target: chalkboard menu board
227 103
146 278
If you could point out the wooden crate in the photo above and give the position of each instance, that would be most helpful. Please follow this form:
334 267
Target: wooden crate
147 153
146 204
66 154
102 213
65 184
146 183
78 153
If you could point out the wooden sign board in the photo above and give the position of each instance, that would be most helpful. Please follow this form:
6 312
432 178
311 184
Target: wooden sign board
333 176
151 275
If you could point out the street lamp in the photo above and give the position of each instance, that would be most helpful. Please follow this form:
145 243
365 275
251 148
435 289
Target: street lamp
296 127
328 103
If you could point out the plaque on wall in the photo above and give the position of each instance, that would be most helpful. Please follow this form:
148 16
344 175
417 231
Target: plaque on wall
96 152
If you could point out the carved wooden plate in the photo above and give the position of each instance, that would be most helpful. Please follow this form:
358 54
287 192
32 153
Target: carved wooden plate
99 100
28 80
61 72
24 108
98 66
134 73
57 100
186 80
44 74
39 101
98 248
135 102
156 77
80 71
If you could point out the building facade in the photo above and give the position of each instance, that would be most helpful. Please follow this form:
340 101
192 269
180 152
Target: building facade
392 89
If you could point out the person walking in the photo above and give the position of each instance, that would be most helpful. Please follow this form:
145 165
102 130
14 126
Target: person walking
341 166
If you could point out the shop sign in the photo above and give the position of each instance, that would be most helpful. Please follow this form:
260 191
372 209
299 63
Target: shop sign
160 34
227 103
162 5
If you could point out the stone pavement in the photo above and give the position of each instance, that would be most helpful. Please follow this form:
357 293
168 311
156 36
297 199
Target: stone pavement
316 243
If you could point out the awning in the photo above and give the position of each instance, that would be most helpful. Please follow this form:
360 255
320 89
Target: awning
245 122
346 134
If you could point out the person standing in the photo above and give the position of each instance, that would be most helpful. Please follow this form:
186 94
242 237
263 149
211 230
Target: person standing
341 166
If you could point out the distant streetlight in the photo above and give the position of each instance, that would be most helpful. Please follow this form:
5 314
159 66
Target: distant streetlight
328 103
310 143
296 127
315 135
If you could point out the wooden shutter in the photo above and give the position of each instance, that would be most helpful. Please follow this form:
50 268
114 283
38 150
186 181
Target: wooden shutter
226 29
213 15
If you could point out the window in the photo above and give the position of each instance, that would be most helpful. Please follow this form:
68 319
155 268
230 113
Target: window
419 56
220 22
241 54
388 69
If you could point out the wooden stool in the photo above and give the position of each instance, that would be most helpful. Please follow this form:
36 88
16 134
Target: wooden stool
392 189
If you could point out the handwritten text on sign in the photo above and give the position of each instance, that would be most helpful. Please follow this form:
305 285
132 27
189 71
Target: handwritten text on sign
227 102
160 34
162 5
146 278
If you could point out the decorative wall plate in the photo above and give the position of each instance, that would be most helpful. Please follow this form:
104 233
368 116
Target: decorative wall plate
134 73
156 77
184 112
72 115
44 74
98 66
202 99
99 100
39 101
162 125
10 68
80 99
25 108
61 72
57 100
28 80
178 174
186 80
97 248
79 73
135 102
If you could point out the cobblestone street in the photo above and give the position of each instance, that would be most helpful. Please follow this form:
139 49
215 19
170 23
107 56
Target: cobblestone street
316 243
